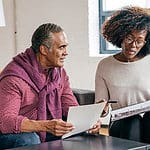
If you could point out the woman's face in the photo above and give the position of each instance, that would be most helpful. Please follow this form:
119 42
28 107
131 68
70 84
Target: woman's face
133 43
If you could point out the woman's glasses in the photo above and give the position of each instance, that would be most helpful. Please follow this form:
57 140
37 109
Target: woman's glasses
138 43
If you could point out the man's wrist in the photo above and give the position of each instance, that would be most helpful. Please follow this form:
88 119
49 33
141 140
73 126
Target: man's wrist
33 126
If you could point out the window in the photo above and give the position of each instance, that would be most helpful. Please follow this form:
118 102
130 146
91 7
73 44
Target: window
106 8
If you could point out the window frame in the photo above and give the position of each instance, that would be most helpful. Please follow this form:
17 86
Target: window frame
103 43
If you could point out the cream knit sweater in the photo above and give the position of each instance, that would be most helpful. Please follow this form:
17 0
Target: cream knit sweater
127 82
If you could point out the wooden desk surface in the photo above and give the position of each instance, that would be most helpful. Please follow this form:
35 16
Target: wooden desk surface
104 131
88 142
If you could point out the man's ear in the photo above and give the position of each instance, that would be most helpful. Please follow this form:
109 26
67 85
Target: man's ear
43 50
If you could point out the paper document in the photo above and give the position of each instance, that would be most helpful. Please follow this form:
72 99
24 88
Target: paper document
130 110
83 117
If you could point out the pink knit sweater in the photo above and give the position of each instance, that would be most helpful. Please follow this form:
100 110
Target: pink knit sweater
19 100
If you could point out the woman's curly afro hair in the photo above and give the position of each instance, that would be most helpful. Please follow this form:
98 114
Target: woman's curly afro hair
123 22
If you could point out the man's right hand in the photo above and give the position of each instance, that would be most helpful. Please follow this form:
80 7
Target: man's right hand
58 127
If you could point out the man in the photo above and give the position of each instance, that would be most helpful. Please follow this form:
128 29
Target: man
35 93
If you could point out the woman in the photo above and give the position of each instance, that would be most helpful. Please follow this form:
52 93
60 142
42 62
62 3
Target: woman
125 76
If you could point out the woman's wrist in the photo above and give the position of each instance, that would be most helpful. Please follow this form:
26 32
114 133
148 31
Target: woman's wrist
105 112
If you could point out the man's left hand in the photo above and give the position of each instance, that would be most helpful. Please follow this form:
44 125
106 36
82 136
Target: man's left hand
96 128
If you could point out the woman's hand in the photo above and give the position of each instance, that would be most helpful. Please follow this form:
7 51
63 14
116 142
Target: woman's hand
106 108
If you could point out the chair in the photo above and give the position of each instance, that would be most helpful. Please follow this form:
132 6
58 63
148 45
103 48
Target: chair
84 97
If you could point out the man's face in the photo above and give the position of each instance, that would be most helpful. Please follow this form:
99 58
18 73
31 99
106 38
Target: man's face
57 53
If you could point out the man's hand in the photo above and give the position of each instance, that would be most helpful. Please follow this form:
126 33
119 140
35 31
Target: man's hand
58 127
96 128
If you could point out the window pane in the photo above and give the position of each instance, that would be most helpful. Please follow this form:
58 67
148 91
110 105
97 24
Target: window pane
109 46
109 5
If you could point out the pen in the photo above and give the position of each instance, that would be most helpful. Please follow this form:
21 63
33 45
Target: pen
112 101
109 101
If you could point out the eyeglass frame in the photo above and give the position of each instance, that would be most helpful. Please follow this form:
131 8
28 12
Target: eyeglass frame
130 40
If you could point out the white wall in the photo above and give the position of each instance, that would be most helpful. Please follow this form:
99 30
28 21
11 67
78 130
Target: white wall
7 40
72 15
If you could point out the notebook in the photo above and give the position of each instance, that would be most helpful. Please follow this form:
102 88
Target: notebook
130 110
